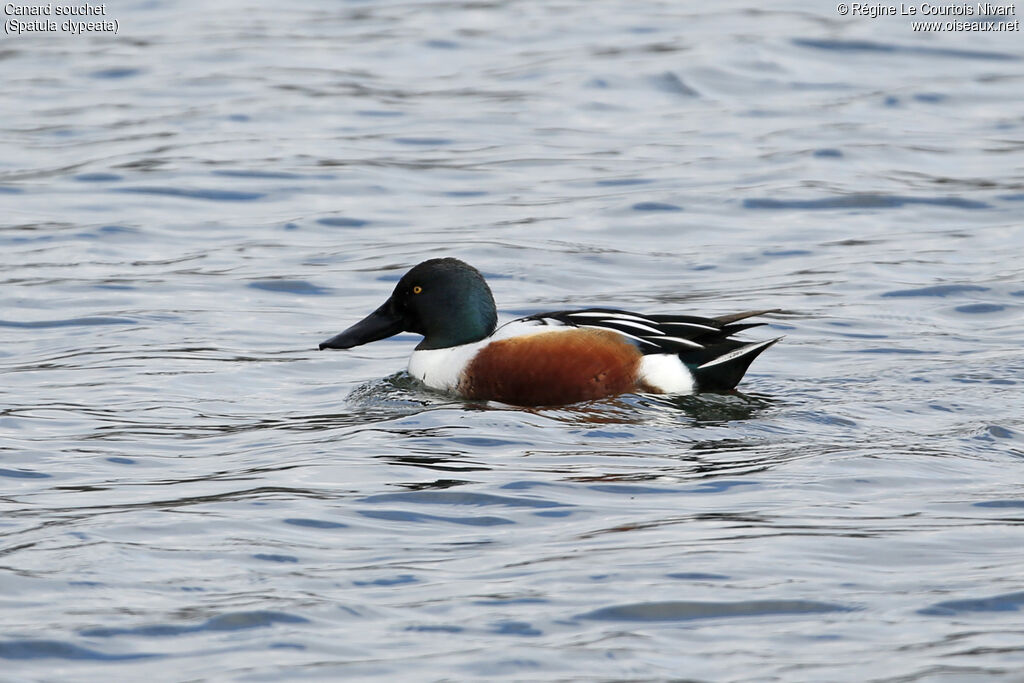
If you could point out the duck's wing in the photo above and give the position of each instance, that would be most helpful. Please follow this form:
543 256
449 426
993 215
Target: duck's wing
704 345
654 333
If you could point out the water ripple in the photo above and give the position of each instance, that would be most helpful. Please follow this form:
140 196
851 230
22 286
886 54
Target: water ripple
892 48
55 649
459 498
863 201
212 195
69 322
686 611
1007 602
237 621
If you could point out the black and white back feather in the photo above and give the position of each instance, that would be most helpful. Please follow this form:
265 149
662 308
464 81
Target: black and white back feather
705 345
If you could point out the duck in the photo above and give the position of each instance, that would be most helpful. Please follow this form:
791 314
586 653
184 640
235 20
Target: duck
554 358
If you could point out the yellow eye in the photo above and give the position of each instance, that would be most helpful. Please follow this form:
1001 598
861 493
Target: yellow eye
417 289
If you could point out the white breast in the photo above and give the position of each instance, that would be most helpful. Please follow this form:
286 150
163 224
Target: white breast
442 368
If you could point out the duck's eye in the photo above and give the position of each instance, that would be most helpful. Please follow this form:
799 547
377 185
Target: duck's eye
417 289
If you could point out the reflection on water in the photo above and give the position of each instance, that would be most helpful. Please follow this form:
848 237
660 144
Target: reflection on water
192 491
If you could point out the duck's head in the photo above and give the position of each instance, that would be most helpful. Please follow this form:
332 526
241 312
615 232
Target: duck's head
444 299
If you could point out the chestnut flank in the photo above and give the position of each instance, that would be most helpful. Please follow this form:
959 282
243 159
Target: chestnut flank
552 368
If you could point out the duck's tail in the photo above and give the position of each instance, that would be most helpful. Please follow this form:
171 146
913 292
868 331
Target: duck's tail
722 366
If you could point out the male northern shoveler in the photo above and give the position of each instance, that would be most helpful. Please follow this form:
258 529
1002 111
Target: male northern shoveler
549 358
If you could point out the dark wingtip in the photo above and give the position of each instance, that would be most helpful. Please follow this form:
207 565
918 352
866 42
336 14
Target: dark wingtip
726 319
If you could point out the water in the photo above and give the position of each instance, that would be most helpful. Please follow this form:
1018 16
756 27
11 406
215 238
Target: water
192 491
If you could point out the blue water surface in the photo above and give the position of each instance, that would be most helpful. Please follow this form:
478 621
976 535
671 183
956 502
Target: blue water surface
191 491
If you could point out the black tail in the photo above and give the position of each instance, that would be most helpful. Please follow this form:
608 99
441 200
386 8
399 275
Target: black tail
722 366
